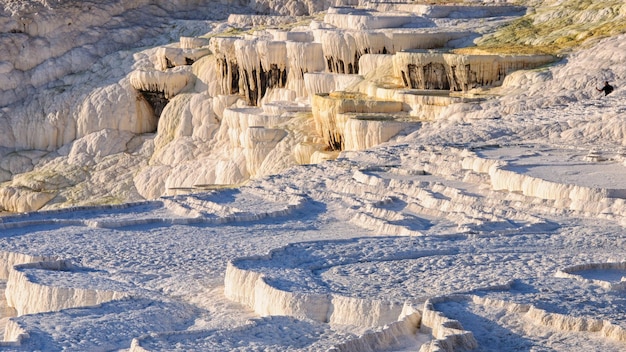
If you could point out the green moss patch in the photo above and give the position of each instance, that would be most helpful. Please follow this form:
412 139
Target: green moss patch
556 29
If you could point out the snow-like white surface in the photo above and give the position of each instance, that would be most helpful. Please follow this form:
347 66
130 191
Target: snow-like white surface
447 222
175 99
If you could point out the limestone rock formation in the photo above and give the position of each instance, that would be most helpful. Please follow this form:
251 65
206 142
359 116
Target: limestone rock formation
250 97
432 70
330 118
19 200
447 164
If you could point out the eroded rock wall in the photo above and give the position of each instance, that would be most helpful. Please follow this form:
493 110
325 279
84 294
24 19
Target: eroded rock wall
329 118
437 70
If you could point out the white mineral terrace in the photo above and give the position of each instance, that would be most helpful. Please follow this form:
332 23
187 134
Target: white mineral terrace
400 289
232 181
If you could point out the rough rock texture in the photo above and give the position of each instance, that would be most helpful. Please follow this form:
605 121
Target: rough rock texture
503 211
330 120
28 297
432 70
110 102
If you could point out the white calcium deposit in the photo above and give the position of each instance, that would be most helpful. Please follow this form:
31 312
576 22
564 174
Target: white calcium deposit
291 175
180 98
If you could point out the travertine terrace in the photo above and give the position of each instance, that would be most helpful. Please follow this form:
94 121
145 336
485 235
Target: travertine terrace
186 91
306 176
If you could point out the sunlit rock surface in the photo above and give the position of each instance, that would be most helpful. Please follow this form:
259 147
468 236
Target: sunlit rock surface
180 91
169 83
366 131
223 176
29 295
432 70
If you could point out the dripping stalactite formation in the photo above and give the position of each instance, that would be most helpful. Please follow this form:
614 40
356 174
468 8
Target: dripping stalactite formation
460 73
255 83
